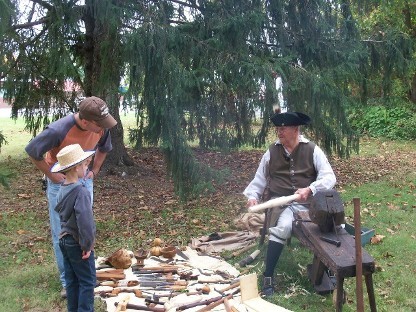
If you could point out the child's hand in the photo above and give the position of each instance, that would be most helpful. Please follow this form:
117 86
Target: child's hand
86 254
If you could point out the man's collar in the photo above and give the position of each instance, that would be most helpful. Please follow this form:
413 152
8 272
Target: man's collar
302 139
77 120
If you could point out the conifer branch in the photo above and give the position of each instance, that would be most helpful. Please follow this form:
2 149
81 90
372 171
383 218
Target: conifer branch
30 24
43 4
193 6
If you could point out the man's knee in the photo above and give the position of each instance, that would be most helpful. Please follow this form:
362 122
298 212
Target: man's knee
280 233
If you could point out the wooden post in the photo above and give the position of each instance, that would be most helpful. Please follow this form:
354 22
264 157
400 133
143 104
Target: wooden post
358 257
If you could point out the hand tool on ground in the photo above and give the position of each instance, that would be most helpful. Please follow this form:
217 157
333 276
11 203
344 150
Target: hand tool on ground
121 306
240 251
166 278
204 290
105 275
181 254
143 270
214 304
165 288
331 241
198 303
232 286
280 201
137 292
168 295
149 275
228 306
249 259
120 283
187 275
155 301
160 267
156 283
140 307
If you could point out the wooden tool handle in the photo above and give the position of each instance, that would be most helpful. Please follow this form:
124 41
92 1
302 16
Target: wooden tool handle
232 286
228 306
214 304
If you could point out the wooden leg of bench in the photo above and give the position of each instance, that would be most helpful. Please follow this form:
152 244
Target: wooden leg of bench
340 293
318 269
370 292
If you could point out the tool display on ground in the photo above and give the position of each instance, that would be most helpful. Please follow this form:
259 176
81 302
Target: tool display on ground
194 283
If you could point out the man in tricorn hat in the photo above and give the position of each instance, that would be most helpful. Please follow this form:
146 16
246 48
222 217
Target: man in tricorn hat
90 128
291 165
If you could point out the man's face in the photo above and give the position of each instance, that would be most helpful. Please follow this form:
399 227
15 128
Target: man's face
91 126
287 134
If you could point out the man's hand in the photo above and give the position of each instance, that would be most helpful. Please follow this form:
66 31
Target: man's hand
90 175
251 202
304 194
56 177
86 254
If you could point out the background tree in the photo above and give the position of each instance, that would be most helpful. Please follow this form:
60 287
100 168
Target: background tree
387 107
200 71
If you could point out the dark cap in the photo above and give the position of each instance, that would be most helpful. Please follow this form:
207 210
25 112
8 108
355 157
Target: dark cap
95 109
290 119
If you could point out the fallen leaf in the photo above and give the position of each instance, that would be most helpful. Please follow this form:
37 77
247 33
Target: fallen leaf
24 196
376 239
388 255
390 231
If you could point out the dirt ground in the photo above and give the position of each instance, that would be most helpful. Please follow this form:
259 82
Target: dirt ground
146 186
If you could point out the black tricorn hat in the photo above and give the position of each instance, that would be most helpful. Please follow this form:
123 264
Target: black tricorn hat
290 119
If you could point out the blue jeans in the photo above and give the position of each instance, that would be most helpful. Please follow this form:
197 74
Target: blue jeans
55 223
79 275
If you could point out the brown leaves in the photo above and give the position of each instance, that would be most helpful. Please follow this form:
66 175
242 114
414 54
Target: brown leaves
376 239
24 196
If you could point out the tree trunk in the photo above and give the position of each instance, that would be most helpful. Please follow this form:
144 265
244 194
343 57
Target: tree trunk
103 72
118 156
413 89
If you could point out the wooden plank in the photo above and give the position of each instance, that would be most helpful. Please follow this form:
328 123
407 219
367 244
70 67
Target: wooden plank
260 305
110 275
250 296
248 287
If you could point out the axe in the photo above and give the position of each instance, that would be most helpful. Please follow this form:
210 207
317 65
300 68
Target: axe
276 202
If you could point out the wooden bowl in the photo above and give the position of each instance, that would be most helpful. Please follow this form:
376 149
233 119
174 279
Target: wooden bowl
168 252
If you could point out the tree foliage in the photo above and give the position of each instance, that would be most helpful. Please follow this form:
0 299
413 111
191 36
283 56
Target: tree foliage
194 71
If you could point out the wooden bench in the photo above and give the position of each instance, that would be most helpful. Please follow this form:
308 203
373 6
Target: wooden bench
339 260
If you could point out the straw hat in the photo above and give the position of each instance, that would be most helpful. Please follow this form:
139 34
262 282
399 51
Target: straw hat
69 157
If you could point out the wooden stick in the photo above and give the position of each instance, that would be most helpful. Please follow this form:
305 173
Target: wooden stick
228 306
358 257
276 202
214 304
240 251
232 286
122 305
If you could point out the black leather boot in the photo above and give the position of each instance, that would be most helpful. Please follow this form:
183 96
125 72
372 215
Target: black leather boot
268 288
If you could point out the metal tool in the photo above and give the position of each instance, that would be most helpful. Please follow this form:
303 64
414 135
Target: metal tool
331 241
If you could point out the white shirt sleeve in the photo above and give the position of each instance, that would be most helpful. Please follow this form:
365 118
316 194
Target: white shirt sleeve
325 179
256 187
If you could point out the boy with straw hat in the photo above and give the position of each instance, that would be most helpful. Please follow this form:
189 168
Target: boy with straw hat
90 128
77 236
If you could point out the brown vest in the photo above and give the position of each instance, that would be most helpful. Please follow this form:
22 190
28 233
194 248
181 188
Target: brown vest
289 173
